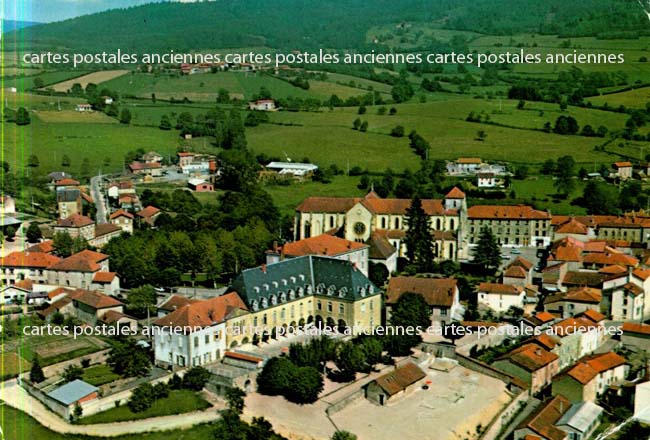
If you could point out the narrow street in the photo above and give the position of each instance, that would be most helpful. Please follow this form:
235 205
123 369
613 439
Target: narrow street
96 194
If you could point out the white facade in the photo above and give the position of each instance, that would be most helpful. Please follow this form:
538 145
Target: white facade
199 347
501 302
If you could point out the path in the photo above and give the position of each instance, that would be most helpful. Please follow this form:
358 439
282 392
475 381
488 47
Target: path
16 397
96 194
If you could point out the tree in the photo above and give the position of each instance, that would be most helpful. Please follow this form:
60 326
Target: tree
372 349
306 385
36 372
84 168
362 110
125 116
10 233
196 378
33 161
378 273
356 124
418 240
350 359
72 373
165 123
129 360
65 161
141 298
34 233
276 376
223 96
392 111
38 82
402 91
487 253
22 116
142 398
410 310
397 131
364 126
600 198
235 400
481 135
344 435
548 167
521 104
565 171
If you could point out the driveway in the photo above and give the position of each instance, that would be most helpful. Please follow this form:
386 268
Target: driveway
98 197
16 397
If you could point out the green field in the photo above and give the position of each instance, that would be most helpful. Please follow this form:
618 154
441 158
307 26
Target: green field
17 425
327 137
51 77
49 142
178 402
99 375
637 98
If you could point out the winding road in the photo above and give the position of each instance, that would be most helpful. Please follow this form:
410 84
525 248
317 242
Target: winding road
98 197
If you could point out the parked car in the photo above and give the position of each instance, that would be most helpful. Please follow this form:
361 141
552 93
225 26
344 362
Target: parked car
515 251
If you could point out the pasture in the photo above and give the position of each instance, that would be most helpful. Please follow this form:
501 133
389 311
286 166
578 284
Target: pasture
64 116
95 78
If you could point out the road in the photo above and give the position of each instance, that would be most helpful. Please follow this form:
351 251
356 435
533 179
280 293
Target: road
98 197
16 397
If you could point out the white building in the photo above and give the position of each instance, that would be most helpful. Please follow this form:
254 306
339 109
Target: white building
265 105
292 168
500 297
486 180
195 334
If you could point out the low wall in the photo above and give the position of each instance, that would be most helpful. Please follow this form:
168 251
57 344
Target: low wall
344 402
505 417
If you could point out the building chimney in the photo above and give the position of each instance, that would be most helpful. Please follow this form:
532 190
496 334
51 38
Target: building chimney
538 352
263 267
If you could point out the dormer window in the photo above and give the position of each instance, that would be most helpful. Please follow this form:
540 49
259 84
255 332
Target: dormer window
301 292
274 300
293 280
256 289
266 287
284 282
343 291
331 289
275 284
310 290
302 277
371 289
265 303
283 297
255 306
362 291
320 288
292 294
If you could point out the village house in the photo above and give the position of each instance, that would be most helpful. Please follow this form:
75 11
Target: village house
90 306
119 188
622 170
68 202
518 273
312 289
588 378
441 295
200 185
636 335
126 324
148 215
84 108
501 297
579 336
573 301
511 225
326 245
266 105
195 333
396 384
532 364
18 266
464 166
76 225
18 293
486 180
358 218
123 220
104 232
382 252
106 282
152 157
172 303
79 270
153 169
197 164
581 420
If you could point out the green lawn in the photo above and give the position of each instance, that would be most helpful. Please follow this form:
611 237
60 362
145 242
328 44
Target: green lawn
99 375
17 425
178 402
49 142
540 192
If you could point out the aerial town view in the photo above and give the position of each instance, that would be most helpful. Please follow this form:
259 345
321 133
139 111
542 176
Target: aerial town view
325 220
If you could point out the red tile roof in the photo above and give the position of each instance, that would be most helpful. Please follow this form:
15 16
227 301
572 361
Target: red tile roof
455 193
608 259
94 299
66 182
203 313
400 378
147 212
548 342
121 213
633 289
469 160
542 421
503 289
74 221
506 212
531 357
176 302
572 325
320 245
515 272
374 205
588 295
604 361
242 357
104 277
25 284
572 227
84 261
138 166
522 262
58 291
46 246
39 260
544 317
622 164
593 315
641 274
105 229
634 327
614 269
439 292
112 316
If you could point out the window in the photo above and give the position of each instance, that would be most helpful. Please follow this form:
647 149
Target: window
397 223
329 306
383 222
443 312
341 309
207 339
216 335
363 307
319 306
196 341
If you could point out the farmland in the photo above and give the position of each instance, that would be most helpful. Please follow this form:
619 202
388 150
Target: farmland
95 78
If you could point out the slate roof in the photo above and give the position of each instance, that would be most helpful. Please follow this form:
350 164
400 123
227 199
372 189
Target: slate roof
311 274
72 392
